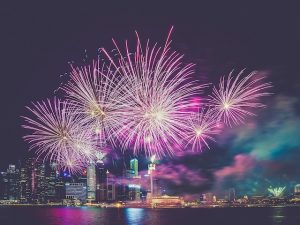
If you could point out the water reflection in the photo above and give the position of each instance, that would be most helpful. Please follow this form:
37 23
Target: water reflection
278 215
134 216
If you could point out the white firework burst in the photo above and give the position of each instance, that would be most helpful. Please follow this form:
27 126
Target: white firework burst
95 92
201 128
233 100
158 91
56 132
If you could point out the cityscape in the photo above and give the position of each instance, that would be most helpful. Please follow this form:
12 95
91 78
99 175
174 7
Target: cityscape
34 182
138 113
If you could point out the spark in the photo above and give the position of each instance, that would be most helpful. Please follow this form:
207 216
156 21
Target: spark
201 128
159 88
95 91
233 100
56 133
276 192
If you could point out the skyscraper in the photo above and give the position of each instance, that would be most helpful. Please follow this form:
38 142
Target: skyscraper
51 178
133 187
134 166
40 181
3 186
13 182
101 185
91 182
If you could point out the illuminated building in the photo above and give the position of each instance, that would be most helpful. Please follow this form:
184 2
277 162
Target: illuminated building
208 197
3 186
51 178
13 183
27 180
91 182
134 191
133 187
111 191
60 190
40 182
76 191
23 184
32 183
167 201
134 166
101 195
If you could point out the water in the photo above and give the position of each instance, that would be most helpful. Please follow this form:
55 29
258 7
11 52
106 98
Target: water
135 216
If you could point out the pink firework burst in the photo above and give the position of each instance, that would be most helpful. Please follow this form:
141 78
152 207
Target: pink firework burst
57 133
96 93
158 89
233 100
201 128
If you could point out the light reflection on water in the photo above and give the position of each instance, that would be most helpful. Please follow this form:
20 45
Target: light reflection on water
137 216
278 215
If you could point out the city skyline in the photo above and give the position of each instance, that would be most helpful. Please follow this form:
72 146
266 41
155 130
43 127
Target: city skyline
34 181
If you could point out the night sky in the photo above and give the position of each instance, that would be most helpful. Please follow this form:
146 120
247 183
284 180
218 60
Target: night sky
37 42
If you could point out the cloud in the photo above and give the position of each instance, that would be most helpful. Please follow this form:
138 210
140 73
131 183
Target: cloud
179 174
265 150
276 131
242 164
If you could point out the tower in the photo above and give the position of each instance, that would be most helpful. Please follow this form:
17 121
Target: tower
134 166
91 182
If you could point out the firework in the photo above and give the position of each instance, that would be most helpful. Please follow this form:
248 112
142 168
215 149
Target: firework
57 134
158 90
276 192
235 97
95 93
201 128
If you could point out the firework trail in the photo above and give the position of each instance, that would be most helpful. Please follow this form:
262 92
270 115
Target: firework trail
57 134
201 128
95 92
158 87
235 97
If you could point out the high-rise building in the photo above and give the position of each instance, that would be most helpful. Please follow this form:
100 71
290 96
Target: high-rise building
13 182
91 182
23 184
133 186
134 166
27 180
51 178
101 186
32 181
40 182
3 186
110 187
60 190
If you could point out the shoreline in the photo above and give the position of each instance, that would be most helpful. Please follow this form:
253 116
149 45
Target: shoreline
132 206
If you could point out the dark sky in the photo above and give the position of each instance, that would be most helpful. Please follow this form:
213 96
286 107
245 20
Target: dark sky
38 40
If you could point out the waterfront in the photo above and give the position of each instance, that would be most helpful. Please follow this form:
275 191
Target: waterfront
139 216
